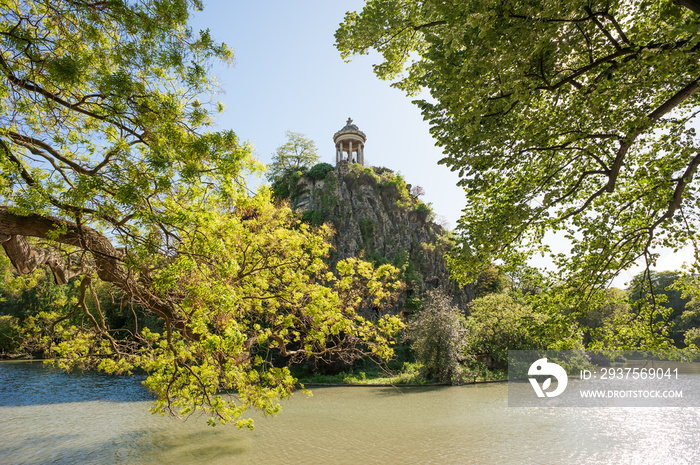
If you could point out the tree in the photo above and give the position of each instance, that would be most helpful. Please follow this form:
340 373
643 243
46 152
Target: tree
490 281
297 153
417 191
109 172
659 286
497 323
575 117
614 305
437 338
692 337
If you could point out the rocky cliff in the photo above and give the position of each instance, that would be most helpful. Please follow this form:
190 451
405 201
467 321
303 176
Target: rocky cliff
376 217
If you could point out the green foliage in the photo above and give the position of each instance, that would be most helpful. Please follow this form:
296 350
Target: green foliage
99 94
614 306
658 286
320 171
110 173
287 185
411 276
690 318
692 337
37 296
10 332
490 281
297 154
424 211
438 338
361 175
382 171
23 296
254 288
414 304
497 323
367 232
312 217
579 118
394 186
524 279
325 198
657 294
281 189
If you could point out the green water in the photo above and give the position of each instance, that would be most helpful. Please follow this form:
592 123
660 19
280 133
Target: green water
48 417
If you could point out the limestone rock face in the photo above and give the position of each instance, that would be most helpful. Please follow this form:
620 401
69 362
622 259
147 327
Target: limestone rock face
376 218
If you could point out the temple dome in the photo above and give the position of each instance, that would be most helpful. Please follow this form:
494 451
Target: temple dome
350 129
350 144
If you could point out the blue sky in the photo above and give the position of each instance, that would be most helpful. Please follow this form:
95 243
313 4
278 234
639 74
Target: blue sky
287 75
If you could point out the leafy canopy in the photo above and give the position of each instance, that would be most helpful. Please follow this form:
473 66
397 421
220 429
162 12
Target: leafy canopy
109 170
577 117
299 152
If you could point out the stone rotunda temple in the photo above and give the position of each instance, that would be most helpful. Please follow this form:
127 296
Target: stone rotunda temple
351 141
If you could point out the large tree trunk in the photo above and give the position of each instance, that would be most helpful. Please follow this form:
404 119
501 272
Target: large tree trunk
14 230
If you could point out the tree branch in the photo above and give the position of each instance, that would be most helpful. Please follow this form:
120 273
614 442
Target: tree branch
602 29
108 261
652 118
692 5
33 87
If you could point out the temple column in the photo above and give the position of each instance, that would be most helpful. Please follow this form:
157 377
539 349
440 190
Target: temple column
355 148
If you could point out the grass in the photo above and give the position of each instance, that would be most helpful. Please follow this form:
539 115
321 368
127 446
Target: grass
409 374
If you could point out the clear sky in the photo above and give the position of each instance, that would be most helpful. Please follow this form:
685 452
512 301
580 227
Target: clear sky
287 75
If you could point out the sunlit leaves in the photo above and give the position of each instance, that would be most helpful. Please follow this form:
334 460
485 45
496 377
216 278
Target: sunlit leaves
105 130
573 117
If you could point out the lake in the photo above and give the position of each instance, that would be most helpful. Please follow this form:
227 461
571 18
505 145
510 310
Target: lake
48 416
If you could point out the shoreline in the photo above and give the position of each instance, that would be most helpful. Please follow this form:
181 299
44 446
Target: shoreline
402 385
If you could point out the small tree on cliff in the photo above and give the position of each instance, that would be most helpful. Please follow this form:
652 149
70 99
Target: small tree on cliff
297 153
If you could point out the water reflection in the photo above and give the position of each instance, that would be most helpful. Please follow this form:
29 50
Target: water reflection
468 424
33 383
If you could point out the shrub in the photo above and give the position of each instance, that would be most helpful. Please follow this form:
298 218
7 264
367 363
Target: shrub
367 231
362 175
381 170
312 217
423 211
394 187
692 337
287 185
490 281
438 338
320 171
413 303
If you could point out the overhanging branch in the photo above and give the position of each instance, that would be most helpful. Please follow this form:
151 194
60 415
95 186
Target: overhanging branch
692 5
108 261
